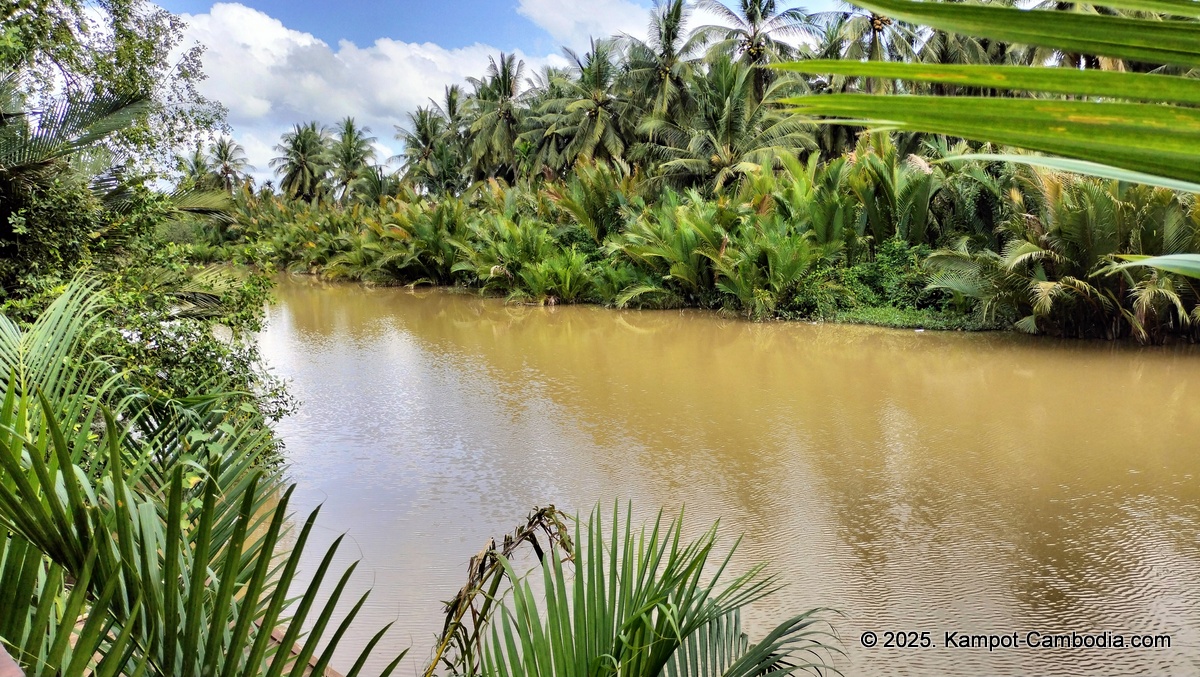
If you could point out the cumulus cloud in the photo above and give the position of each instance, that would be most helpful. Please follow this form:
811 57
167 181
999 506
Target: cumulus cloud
573 22
271 77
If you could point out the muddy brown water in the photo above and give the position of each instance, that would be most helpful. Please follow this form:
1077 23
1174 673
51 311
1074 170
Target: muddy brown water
915 481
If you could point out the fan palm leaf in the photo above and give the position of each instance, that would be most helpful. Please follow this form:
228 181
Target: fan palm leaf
643 602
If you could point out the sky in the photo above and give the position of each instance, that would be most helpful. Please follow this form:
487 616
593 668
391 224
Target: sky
274 63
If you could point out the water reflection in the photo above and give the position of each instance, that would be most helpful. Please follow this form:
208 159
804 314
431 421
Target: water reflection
916 481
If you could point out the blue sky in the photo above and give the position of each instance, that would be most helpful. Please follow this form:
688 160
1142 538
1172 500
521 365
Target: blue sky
275 63
451 23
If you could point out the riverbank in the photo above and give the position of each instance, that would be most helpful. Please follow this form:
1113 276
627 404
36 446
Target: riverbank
787 246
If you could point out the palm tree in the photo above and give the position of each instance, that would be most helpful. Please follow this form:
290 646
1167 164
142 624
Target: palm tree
350 155
589 119
229 162
426 128
434 148
304 161
499 116
452 110
641 602
197 170
754 34
659 69
867 36
733 132
375 184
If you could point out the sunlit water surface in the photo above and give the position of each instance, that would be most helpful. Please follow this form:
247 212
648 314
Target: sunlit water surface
915 481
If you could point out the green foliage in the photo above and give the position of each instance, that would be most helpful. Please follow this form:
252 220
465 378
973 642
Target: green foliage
141 535
155 509
664 172
893 279
644 602
46 227
907 318
304 161
72 49
812 241
1056 272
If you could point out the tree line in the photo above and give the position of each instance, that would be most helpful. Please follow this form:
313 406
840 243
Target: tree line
806 218
690 105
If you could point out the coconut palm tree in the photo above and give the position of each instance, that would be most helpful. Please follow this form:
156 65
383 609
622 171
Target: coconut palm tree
499 117
303 163
426 128
732 133
197 170
434 154
867 36
756 33
375 184
452 109
659 68
350 155
589 119
229 162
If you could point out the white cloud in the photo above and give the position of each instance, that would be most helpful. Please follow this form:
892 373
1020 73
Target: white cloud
573 22
271 77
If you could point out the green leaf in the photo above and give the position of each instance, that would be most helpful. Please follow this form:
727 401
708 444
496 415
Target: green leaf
1181 8
1160 42
1080 167
1156 140
1111 84
1180 264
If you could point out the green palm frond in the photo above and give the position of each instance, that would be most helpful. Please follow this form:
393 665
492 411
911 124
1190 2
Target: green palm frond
66 128
1151 138
642 602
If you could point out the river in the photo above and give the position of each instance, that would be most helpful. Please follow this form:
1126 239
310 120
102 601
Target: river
915 481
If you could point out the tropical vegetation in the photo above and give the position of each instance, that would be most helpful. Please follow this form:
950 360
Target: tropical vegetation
730 167
873 178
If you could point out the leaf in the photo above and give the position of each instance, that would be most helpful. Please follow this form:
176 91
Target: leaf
1145 40
1111 84
1151 139
1081 167
1180 264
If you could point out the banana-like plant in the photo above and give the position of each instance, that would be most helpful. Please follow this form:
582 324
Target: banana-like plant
142 537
